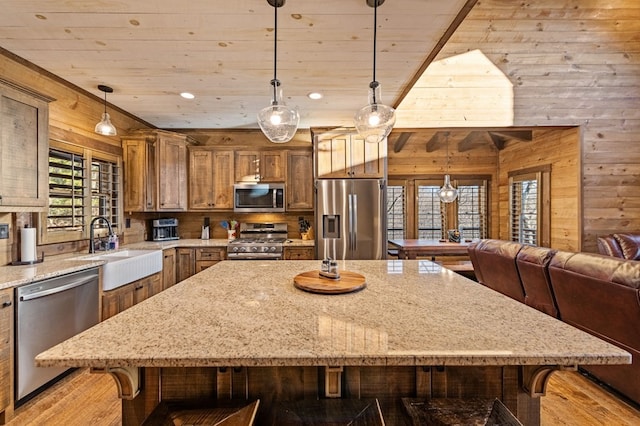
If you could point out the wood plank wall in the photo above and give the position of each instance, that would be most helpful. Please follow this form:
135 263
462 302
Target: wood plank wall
72 116
424 155
573 62
559 149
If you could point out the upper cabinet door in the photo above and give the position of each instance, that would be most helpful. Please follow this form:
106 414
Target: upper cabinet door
348 156
299 181
138 158
261 166
210 179
172 174
24 150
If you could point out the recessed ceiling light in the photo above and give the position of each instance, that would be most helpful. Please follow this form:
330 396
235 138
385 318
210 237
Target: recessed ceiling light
315 95
187 95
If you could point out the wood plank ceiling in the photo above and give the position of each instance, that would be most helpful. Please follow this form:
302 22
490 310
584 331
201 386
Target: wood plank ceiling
222 52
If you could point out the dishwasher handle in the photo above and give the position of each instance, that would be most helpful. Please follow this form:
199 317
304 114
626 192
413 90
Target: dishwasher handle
59 289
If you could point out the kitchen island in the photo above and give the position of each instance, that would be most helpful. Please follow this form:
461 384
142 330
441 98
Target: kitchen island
241 330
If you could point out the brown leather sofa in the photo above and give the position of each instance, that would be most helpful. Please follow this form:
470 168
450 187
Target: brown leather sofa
599 294
626 246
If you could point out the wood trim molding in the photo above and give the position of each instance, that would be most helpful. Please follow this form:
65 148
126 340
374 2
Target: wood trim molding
127 379
535 378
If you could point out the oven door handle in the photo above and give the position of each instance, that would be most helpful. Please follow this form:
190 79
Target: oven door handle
58 289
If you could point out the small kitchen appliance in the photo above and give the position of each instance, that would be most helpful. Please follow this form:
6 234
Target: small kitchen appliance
164 229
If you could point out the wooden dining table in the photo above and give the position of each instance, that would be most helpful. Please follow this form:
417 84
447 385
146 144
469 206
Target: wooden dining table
412 248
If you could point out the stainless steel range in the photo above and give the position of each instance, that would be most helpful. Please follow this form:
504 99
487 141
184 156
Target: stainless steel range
258 241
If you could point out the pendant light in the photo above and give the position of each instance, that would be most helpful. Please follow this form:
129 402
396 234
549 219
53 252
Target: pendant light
448 193
104 127
278 122
375 121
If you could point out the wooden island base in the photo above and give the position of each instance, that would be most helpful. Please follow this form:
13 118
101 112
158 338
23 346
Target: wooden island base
273 386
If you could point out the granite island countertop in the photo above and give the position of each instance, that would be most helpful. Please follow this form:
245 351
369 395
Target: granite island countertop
248 313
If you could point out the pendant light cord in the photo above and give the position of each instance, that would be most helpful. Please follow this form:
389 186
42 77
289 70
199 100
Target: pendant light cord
275 41
375 29
274 82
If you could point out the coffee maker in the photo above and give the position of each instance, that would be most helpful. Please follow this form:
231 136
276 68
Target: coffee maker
164 229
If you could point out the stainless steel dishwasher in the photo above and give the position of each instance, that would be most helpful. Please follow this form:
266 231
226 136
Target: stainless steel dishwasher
47 313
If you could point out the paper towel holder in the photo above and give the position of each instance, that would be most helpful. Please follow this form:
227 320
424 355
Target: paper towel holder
32 262
35 254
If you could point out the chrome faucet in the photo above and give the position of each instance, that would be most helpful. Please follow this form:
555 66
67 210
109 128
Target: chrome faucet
92 248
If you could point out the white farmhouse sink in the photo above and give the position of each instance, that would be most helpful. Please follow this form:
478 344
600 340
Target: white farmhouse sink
125 266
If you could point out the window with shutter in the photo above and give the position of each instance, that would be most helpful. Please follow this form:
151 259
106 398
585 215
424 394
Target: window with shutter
415 210
83 184
66 212
395 211
529 214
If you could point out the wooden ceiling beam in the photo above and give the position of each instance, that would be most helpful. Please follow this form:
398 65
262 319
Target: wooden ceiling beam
473 139
401 141
498 140
521 135
438 139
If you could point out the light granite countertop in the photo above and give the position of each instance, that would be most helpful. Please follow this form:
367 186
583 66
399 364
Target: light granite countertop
53 266
248 313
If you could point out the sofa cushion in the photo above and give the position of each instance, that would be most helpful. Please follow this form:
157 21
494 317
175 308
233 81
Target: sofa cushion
533 265
608 245
494 263
629 244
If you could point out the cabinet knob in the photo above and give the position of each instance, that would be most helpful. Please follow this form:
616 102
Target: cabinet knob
6 304
139 288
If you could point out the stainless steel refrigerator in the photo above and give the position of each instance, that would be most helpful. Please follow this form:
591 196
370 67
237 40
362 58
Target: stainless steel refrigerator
351 220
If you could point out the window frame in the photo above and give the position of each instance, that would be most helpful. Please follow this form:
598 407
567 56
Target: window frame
542 175
89 155
411 184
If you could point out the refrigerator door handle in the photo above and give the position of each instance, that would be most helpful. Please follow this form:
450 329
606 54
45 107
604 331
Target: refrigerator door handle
351 221
354 214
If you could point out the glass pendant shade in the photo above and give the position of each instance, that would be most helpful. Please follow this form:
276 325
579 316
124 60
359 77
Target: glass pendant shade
375 121
278 122
105 127
448 193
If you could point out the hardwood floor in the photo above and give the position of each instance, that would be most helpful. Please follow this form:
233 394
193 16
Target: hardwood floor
79 399
91 399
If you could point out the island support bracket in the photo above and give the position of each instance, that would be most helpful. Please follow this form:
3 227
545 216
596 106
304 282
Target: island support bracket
127 379
536 377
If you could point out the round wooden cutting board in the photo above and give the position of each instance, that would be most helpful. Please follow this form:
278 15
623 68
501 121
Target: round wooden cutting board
312 282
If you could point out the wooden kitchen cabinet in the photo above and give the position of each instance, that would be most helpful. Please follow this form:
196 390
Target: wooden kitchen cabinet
155 171
260 166
299 185
208 256
139 171
298 253
211 178
24 149
172 173
122 298
185 263
6 351
168 268
347 155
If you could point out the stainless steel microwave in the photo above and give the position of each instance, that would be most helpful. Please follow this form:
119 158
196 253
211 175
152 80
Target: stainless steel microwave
258 197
